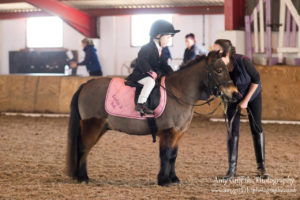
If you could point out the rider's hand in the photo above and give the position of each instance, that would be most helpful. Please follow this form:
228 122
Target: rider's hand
243 104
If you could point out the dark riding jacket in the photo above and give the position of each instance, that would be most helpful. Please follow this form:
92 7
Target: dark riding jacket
149 60
91 60
190 54
243 74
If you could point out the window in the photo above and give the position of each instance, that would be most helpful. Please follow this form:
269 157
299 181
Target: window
140 27
44 32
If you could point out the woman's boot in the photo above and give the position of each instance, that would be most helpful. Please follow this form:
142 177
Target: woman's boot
232 146
259 147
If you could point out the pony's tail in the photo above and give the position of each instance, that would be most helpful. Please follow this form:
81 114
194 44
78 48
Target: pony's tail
74 137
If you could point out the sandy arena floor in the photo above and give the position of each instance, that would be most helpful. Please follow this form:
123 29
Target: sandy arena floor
32 157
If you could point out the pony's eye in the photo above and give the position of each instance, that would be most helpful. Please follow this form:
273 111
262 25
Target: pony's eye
219 70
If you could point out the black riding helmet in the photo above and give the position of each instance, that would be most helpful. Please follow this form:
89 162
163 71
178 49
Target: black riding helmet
162 27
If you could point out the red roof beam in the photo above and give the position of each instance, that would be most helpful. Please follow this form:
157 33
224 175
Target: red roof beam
195 10
234 11
79 20
17 15
11 1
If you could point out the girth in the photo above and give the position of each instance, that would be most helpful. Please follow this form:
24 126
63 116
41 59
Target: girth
152 102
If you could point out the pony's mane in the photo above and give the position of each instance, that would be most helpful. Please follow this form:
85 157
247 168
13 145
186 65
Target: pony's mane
192 62
198 59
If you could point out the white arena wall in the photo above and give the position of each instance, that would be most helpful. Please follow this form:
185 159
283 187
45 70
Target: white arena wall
114 44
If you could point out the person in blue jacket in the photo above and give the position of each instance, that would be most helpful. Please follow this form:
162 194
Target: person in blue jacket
166 54
246 78
91 60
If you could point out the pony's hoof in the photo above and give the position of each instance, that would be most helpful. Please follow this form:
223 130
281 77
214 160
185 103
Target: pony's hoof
166 181
175 179
83 179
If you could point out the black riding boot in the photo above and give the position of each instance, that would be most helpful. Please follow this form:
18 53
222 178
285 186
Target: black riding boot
232 146
143 109
259 147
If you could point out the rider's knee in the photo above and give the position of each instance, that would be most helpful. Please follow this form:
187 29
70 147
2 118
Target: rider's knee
150 81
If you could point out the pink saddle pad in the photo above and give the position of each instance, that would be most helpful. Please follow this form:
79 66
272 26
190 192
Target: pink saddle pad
120 100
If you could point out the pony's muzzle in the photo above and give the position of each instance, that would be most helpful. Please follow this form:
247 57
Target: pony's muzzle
230 93
236 96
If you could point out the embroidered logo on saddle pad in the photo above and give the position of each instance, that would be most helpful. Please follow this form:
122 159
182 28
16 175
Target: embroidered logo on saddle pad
120 100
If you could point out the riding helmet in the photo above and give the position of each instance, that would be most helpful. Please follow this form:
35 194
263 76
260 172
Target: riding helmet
162 27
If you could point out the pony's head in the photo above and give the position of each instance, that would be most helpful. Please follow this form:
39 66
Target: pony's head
219 81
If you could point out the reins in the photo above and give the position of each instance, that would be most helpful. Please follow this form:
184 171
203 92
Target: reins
238 111
211 91
210 113
229 126
185 102
257 127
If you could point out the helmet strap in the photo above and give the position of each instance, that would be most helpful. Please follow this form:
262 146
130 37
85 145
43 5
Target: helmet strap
158 38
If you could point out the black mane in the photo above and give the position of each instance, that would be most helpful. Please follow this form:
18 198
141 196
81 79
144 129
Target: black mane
198 59
192 62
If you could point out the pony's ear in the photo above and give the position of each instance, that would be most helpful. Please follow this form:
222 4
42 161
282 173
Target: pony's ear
219 53
219 62
212 56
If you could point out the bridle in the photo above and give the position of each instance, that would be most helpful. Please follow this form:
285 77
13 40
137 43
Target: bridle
213 88
213 84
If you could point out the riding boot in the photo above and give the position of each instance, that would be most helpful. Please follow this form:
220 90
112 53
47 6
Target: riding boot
232 146
143 109
259 147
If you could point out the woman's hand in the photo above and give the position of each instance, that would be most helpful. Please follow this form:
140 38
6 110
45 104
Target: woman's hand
243 104
73 64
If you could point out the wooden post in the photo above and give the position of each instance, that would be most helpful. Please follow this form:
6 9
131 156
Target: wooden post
296 17
269 32
261 26
294 31
298 42
248 37
281 30
288 28
255 30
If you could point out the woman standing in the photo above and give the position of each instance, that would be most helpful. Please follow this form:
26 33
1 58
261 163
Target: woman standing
91 60
247 79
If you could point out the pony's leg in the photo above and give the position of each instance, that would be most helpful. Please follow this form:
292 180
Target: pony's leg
91 131
168 152
172 175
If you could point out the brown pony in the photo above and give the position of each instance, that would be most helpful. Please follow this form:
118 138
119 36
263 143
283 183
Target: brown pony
89 120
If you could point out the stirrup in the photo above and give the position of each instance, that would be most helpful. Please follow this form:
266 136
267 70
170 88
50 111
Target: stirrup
143 109
148 111
140 109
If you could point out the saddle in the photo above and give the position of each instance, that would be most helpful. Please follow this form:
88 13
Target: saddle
121 99
154 97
